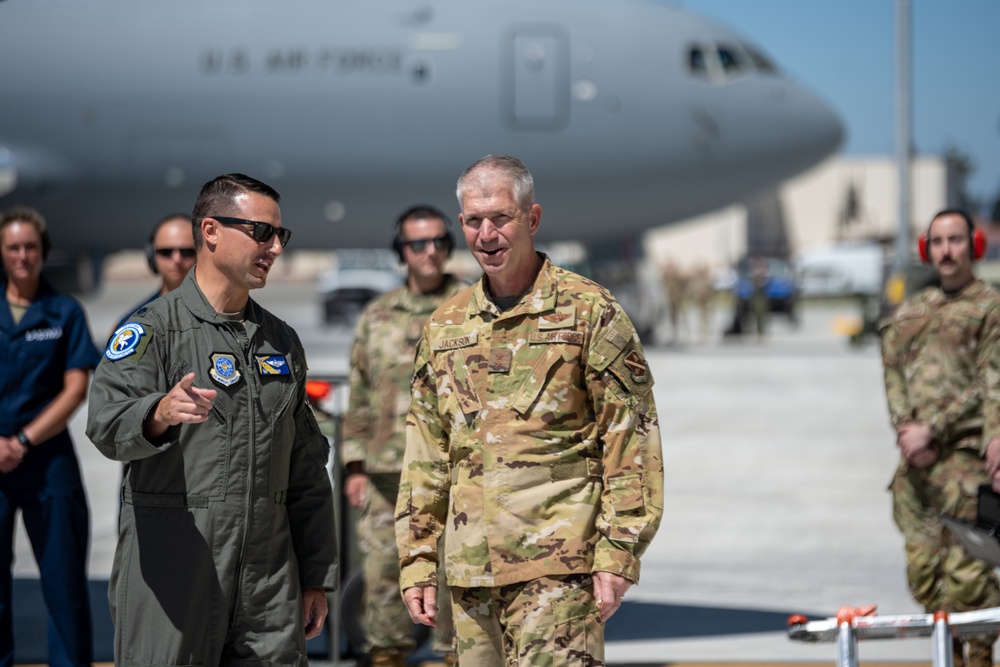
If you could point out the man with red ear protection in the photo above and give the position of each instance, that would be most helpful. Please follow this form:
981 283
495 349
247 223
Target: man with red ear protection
940 350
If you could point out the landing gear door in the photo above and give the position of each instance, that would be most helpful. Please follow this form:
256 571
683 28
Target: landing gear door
536 95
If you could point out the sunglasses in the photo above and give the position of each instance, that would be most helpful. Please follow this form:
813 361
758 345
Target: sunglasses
167 253
420 245
262 231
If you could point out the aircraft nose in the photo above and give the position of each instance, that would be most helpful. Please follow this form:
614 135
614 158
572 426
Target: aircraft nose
812 129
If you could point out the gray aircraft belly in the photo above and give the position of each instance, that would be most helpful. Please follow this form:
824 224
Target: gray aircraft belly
119 112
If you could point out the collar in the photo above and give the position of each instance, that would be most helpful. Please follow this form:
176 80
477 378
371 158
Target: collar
540 298
195 301
402 299
40 309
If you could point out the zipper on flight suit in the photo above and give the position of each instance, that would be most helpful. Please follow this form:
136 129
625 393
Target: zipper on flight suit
239 333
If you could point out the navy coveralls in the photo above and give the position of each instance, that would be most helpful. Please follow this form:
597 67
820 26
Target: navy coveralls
50 339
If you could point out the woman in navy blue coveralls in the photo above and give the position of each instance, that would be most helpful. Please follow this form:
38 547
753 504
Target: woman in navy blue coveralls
48 355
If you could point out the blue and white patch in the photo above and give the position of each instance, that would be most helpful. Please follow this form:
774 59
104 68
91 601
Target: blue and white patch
272 364
223 369
124 341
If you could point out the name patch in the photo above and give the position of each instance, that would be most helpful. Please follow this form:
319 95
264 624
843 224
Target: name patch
272 364
52 333
125 341
454 343
559 336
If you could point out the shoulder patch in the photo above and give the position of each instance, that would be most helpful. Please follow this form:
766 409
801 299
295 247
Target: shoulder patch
130 338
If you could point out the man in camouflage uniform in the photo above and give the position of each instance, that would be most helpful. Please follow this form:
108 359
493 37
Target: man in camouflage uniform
937 348
533 436
374 428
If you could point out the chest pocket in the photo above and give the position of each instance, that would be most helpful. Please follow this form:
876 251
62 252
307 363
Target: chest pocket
453 353
276 401
964 324
910 322
549 350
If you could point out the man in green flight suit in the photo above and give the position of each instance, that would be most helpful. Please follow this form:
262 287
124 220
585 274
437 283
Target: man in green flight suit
937 350
532 434
375 424
227 545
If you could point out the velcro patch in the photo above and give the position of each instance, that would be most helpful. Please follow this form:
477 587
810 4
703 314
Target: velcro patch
562 318
453 343
558 336
272 364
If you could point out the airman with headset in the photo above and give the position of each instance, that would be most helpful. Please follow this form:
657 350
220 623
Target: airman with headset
170 254
941 353
374 427
48 357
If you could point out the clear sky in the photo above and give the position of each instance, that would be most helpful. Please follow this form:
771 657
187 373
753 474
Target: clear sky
846 51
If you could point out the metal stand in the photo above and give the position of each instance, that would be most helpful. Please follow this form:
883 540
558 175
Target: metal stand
852 624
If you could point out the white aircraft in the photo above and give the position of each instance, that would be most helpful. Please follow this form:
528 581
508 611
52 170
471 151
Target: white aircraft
630 113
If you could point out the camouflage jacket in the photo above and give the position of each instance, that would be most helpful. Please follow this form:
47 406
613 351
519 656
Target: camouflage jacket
938 353
534 435
385 342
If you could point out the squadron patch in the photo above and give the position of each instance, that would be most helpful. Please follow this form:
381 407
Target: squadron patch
271 364
223 369
125 341
636 367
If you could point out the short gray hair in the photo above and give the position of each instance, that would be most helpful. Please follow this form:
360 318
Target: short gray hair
510 166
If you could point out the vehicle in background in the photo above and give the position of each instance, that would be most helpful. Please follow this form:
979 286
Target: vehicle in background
841 270
359 276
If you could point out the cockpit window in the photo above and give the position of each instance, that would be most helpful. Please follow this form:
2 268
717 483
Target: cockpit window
731 59
721 62
760 61
696 61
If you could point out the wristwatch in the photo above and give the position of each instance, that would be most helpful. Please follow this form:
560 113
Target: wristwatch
24 440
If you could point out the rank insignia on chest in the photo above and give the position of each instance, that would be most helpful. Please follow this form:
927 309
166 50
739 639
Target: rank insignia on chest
500 361
271 364
636 367
223 370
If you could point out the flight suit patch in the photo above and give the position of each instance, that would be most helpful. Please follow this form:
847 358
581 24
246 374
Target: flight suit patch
500 361
223 369
130 338
272 364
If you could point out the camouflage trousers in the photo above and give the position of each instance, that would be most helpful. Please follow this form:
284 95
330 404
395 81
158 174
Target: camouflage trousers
941 575
546 622
388 623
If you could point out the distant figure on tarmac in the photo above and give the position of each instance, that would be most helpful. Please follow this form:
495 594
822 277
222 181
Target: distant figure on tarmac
759 305
941 351
702 292
385 343
675 284
227 547
48 355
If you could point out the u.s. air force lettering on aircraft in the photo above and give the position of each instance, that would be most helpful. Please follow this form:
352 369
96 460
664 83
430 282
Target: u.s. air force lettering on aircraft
372 61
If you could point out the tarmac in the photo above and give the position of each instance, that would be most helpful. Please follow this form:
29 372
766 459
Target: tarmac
777 454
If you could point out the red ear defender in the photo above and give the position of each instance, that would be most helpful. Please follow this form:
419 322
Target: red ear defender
978 246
